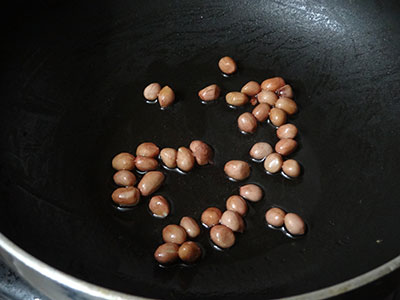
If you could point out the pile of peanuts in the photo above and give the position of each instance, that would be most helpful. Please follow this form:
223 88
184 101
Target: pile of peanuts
238 170
146 163
273 161
124 163
184 158
223 225
273 101
176 245
153 93
268 105
128 195
289 223
222 228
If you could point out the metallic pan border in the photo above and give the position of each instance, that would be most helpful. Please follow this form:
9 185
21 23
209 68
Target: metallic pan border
36 272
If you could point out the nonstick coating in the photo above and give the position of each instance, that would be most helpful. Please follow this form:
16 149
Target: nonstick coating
72 78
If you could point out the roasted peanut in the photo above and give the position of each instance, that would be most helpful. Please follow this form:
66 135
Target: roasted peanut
287 105
166 253
251 88
189 252
272 84
251 192
174 234
291 168
237 204
168 157
273 163
150 182
126 196
275 216
261 112
287 131
147 149
237 169
211 216
285 91
285 146
267 97
236 98
201 152
144 163
123 161
166 96
260 150
247 122
191 227
185 159
159 206
151 91
253 101
222 236
294 224
232 220
124 178
210 93
227 65
277 116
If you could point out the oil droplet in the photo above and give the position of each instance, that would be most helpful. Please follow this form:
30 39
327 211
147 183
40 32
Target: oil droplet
258 160
124 208
205 225
152 101
245 133
215 246
177 170
271 174
232 106
287 176
270 123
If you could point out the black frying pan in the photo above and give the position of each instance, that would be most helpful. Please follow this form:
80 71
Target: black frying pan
72 78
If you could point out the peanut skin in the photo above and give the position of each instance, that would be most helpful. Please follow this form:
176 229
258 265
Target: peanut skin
227 65
168 157
166 96
210 93
285 146
201 152
247 122
251 88
150 182
123 161
166 253
124 178
236 98
185 159
222 236
287 131
127 196
144 163
272 84
237 169
147 149
151 91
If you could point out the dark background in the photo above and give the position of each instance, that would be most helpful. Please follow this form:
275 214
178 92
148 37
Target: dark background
71 98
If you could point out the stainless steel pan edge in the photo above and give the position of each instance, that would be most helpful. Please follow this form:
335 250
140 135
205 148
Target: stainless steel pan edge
58 285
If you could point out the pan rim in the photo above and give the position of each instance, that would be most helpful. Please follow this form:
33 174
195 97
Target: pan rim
26 261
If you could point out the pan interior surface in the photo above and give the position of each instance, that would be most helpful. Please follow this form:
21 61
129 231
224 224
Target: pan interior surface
71 98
